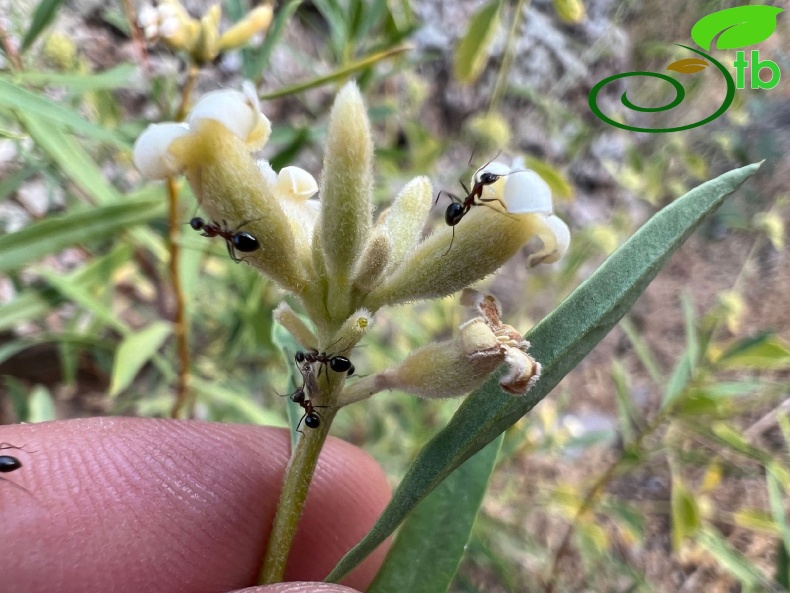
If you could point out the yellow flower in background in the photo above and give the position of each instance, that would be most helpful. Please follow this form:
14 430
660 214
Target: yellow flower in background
169 22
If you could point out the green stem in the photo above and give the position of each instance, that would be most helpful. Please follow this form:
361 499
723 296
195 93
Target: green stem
298 476
507 60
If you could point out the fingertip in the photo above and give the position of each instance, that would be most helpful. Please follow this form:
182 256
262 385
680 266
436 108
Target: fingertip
128 504
300 587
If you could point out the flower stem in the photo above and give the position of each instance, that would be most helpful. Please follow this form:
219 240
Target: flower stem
179 315
10 50
173 235
293 496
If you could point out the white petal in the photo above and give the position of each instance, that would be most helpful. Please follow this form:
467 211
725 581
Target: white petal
230 108
563 236
562 240
248 88
166 11
295 184
527 193
150 150
151 32
148 16
268 173
170 27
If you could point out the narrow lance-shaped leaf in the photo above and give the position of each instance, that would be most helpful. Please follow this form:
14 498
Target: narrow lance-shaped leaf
56 233
44 14
432 540
13 97
559 342
71 157
135 350
472 51
120 76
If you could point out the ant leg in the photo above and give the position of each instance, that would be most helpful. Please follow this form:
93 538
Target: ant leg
451 242
501 203
232 252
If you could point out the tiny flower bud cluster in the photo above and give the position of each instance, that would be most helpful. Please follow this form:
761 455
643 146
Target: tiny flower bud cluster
343 265
169 22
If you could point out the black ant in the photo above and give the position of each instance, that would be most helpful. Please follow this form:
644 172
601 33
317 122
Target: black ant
311 418
339 364
461 207
235 241
10 464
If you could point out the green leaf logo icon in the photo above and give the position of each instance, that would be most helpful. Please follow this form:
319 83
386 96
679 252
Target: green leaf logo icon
736 27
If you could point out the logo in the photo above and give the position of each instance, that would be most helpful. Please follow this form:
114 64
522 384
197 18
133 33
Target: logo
732 28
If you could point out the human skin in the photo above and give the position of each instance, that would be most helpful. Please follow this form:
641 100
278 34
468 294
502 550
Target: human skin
161 506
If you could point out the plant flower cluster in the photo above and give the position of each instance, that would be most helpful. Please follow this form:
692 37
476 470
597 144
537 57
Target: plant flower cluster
169 22
341 263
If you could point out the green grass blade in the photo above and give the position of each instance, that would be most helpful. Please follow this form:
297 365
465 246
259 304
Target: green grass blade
120 76
54 234
238 400
731 560
41 406
35 303
776 498
643 351
432 540
337 75
13 97
71 158
137 349
45 13
559 342
84 299
14 181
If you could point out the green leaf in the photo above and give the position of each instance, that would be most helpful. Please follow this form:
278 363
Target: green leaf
338 75
685 513
71 158
643 352
626 414
731 560
135 350
559 342
14 181
238 400
41 406
34 105
120 76
44 14
431 542
34 303
776 501
768 353
472 51
56 233
84 299
739 27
